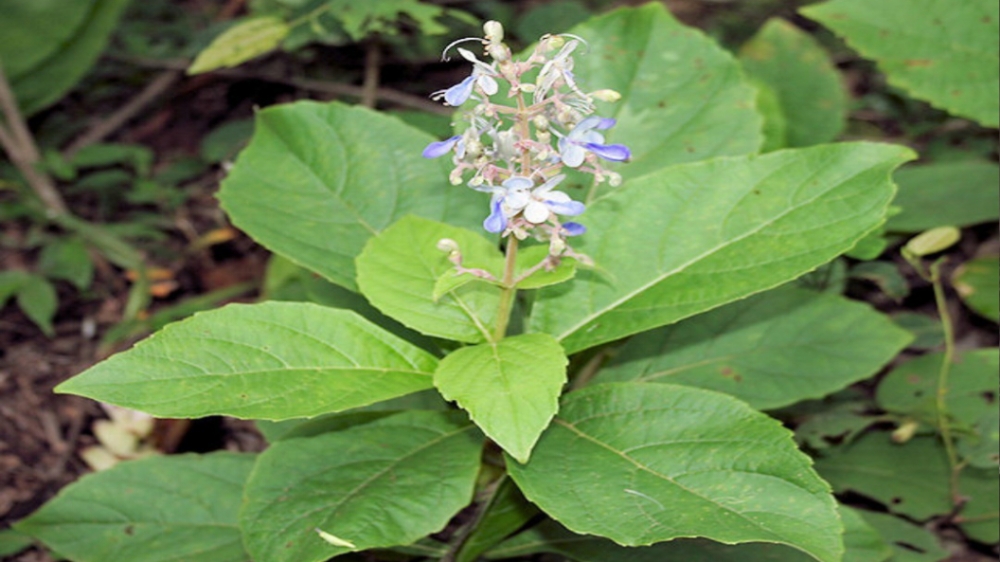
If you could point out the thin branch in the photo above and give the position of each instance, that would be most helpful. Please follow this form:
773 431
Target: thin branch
373 63
23 152
321 86
116 120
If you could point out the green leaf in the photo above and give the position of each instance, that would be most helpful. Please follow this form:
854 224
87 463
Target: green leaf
48 79
286 281
885 275
385 483
13 542
510 388
243 41
909 542
271 360
67 259
775 127
913 479
928 331
399 269
771 350
30 32
684 98
911 388
531 256
942 52
693 237
11 282
978 283
949 193
799 72
157 509
644 463
38 300
319 180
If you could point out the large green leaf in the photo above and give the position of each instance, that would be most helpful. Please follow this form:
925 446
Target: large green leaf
318 180
32 31
695 236
510 388
683 98
808 88
771 350
644 463
861 543
47 79
158 509
385 483
945 194
940 51
272 360
913 479
399 269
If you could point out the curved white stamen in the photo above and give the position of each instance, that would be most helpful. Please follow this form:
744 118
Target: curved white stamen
578 38
444 53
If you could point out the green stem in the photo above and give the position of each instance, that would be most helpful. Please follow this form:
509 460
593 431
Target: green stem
942 388
508 291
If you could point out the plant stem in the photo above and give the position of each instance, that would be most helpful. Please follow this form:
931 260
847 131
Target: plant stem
20 146
508 291
942 388
373 62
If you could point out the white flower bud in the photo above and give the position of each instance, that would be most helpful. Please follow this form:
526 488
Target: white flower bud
498 52
476 181
541 123
527 88
447 245
606 95
494 31
455 177
544 137
614 179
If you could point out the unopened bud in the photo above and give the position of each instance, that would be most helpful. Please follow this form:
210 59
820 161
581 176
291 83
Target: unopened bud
447 245
614 179
476 181
498 52
905 432
606 95
494 31
543 137
541 123
455 177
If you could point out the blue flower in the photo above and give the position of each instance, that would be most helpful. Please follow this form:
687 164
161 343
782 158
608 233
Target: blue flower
584 138
461 92
440 148
517 195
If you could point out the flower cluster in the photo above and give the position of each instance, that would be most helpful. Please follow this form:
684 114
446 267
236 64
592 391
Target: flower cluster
516 151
